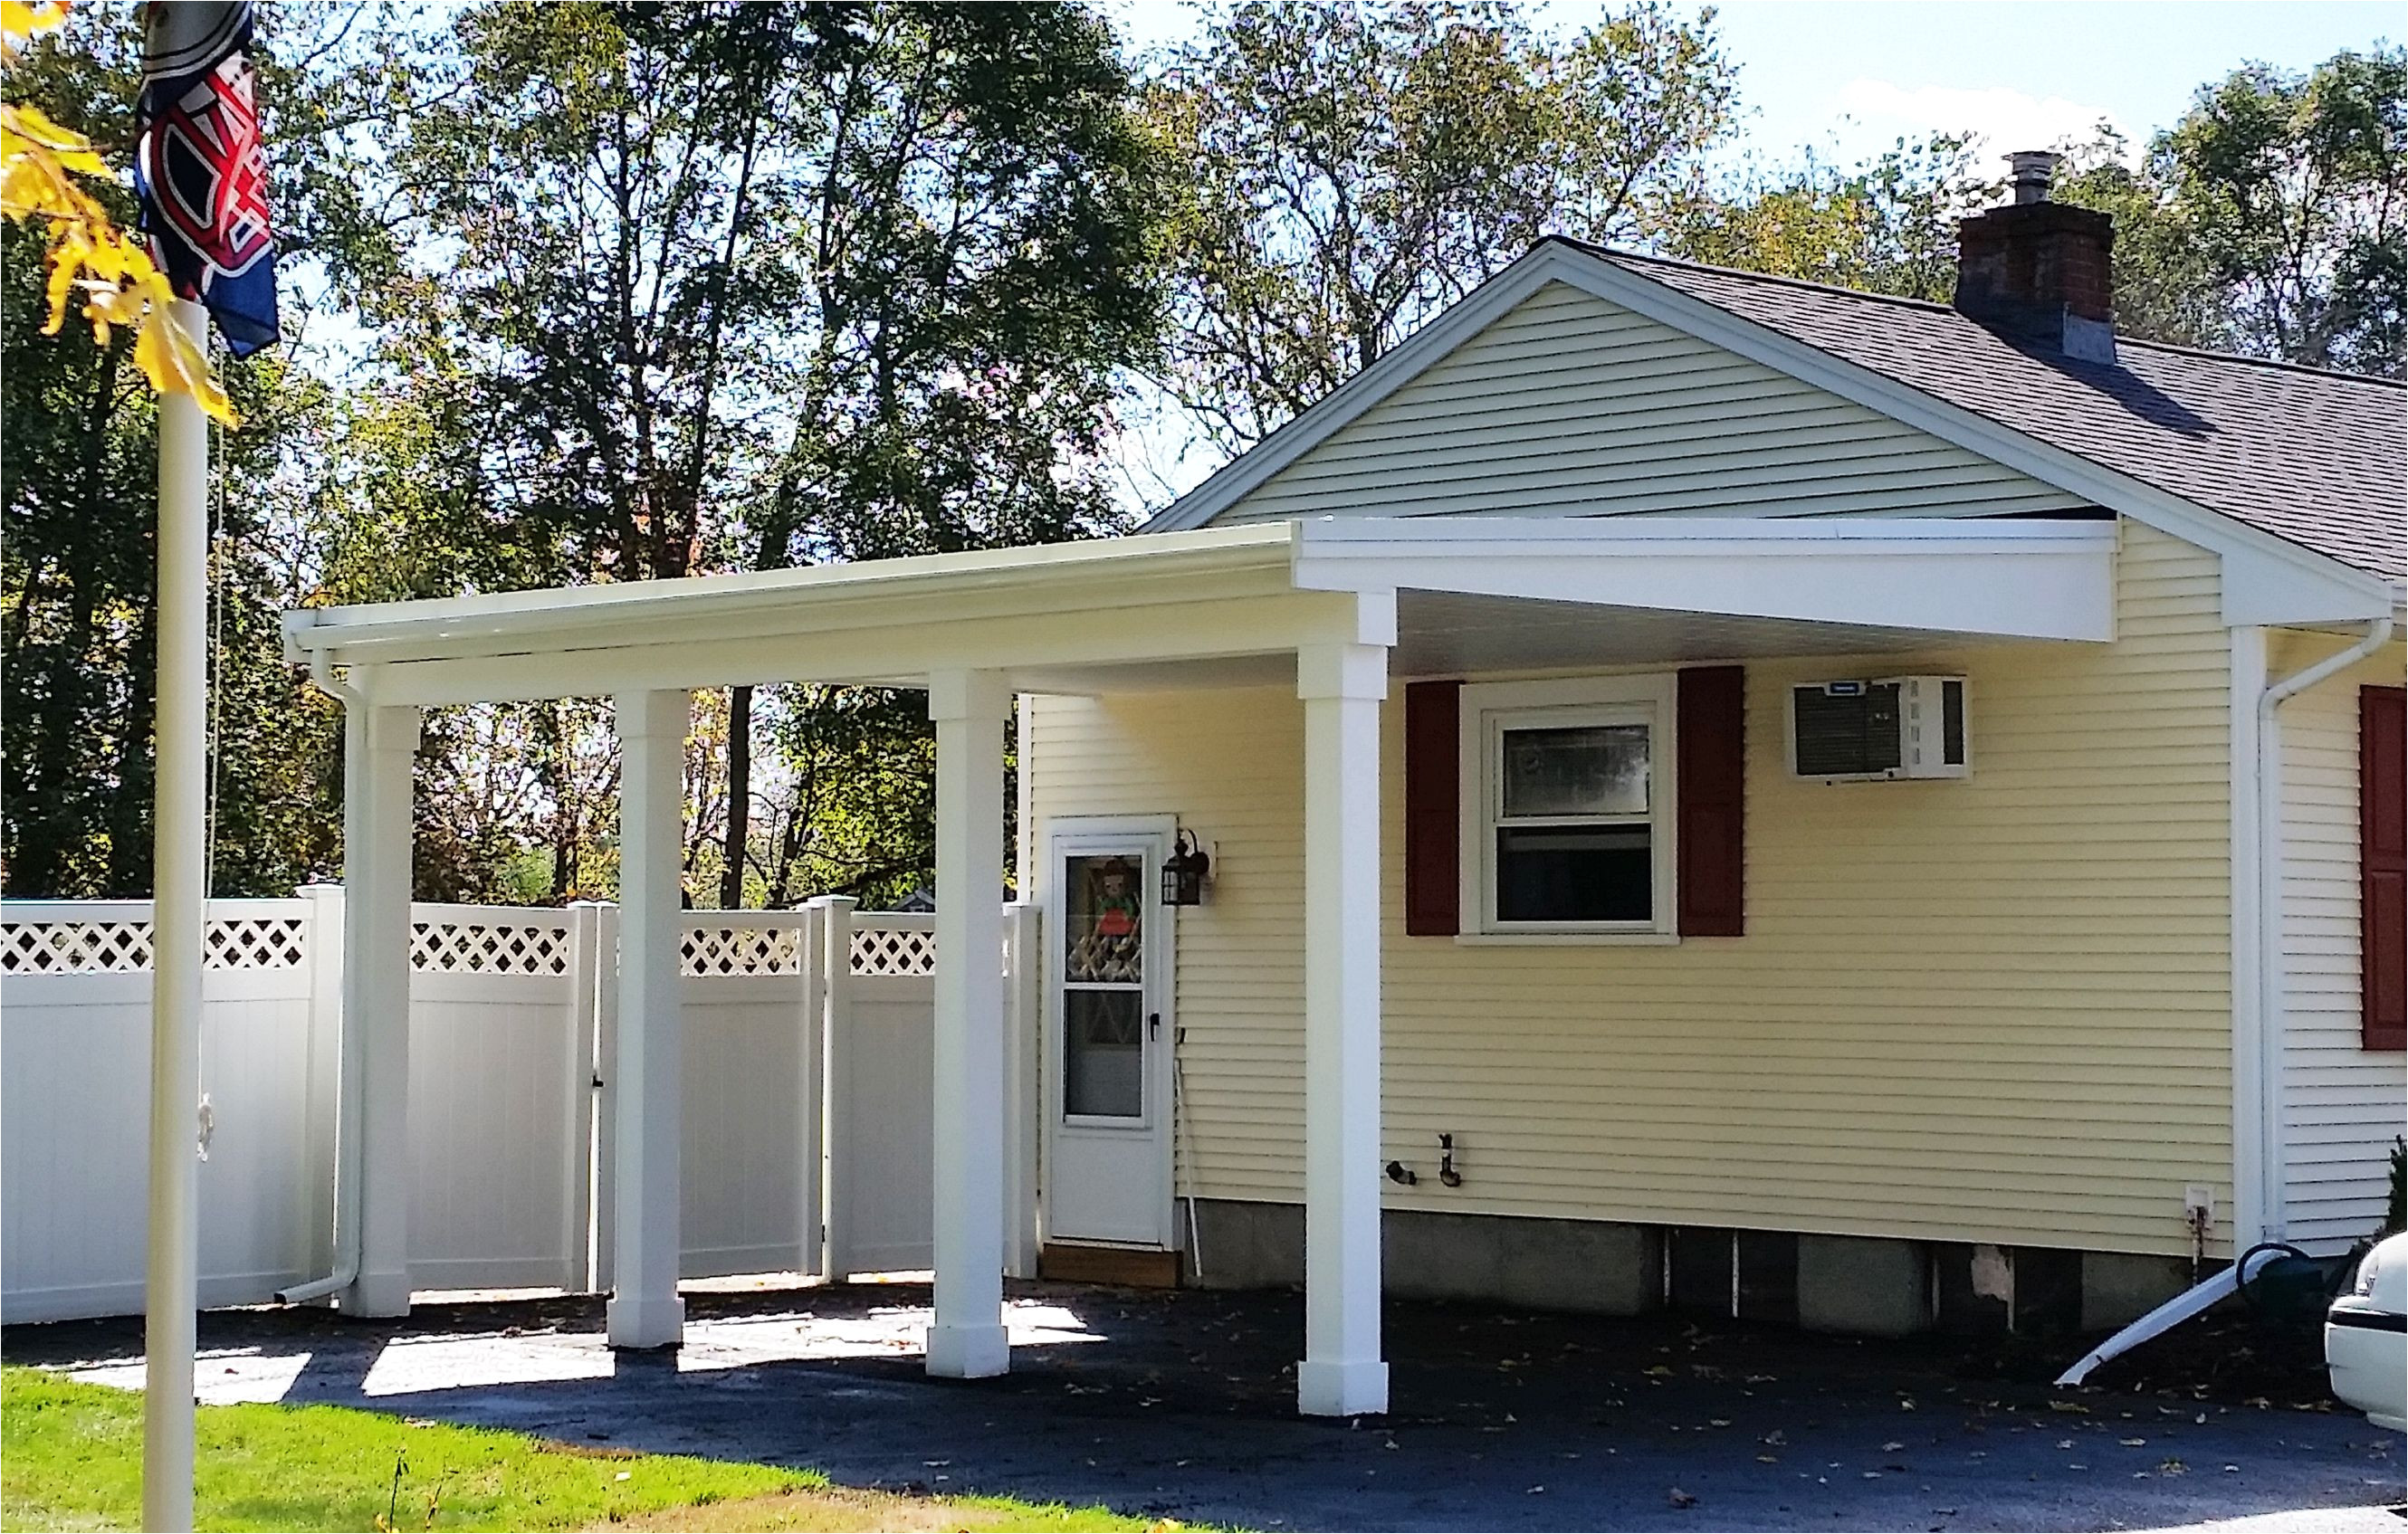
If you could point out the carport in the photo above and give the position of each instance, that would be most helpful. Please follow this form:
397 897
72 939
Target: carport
1336 607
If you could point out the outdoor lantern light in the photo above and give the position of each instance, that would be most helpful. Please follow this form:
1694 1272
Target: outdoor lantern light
1183 873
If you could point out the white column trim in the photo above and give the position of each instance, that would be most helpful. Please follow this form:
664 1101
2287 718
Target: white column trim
1342 1373
967 1339
646 1093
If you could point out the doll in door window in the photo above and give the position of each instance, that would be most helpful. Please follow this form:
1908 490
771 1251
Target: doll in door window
1112 899
1115 900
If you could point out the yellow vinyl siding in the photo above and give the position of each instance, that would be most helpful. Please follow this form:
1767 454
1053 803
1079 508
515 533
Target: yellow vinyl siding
2341 1104
1569 404
1994 1009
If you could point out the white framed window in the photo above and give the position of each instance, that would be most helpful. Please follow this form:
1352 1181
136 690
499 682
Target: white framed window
1567 810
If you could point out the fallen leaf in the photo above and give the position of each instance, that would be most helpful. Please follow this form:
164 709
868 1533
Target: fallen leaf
1892 1447
1683 1500
2133 1442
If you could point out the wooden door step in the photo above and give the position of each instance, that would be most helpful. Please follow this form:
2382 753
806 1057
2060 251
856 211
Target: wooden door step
1117 1264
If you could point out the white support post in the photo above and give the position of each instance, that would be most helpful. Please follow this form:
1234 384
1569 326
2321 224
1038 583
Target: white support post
1342 1373
381 744
644 1310
1020 1122
967 1341
836 1077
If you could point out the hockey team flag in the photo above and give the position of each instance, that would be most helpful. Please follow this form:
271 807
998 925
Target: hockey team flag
200 169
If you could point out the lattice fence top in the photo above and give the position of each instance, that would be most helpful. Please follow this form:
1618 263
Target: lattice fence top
116 946
74 948
489 948
891 952
256 942
743 950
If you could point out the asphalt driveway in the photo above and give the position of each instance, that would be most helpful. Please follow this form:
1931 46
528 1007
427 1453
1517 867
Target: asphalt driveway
1180 1405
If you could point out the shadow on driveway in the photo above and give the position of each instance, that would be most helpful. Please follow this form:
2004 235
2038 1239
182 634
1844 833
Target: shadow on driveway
1181 1404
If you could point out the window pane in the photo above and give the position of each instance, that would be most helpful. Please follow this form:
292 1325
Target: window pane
1107 919
1595 769
1104 1039
1574 873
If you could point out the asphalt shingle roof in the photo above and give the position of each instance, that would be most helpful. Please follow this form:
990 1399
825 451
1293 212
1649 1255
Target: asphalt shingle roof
2320 459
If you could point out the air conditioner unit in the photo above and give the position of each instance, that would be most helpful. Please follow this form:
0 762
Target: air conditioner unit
1874 729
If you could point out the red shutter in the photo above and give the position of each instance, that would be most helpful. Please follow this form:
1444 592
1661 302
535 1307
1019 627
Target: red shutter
1433 806
2383 865
1713 762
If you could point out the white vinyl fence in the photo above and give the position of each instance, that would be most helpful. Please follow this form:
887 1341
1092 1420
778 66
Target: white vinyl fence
806 1084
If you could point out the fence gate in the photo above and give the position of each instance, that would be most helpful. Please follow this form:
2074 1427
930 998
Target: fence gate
501 1095
881 1101
749 1161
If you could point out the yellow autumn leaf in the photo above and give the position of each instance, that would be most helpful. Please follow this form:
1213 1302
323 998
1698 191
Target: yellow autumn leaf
19 22
122 286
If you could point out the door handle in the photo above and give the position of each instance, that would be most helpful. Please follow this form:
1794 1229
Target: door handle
1154 1024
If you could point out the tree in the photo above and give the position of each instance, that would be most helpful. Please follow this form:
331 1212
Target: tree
78 492
1888 225
1350 169
2283 198
714 287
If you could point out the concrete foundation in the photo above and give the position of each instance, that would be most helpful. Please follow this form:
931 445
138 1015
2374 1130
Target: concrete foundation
1863 1284
1246 1246
1857 1286
1593 1266
2121 1287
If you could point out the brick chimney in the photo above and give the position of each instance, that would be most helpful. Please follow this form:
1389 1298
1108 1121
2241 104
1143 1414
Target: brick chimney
2040 271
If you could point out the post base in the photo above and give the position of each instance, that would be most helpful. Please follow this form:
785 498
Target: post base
1326 1389
635 1323
376 1295
967 1352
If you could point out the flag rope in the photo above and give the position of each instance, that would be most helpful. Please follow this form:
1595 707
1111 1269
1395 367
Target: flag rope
216 679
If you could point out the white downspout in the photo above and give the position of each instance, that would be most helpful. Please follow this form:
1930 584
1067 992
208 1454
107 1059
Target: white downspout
2266 773
349 1092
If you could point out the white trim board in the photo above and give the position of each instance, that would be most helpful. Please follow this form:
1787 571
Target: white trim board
2266 579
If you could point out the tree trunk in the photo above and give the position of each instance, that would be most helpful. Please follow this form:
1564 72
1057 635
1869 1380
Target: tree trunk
740 797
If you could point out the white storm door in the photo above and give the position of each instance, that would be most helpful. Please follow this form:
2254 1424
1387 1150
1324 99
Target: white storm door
1107 1034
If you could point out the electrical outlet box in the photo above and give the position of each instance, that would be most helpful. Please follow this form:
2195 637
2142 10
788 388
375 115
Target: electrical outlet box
2198 1198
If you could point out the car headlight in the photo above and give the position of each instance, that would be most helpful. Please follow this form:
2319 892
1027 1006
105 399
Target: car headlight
2366 1273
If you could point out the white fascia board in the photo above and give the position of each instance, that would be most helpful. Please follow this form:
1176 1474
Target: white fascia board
2267 578
993 582
1415 354
2007 580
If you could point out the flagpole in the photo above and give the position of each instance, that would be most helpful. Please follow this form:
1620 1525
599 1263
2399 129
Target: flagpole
178 883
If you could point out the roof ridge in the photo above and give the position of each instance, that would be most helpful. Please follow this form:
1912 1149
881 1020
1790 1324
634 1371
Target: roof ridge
2336 374
1649 258
1932 306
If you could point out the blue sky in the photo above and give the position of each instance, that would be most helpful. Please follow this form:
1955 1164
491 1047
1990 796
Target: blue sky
1850 78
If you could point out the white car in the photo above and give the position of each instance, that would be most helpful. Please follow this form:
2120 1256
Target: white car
2366 1336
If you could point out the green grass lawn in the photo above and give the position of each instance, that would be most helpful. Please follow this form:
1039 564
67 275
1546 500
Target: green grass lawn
70 1457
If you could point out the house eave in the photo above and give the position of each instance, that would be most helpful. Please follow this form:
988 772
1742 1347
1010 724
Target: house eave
2268 579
